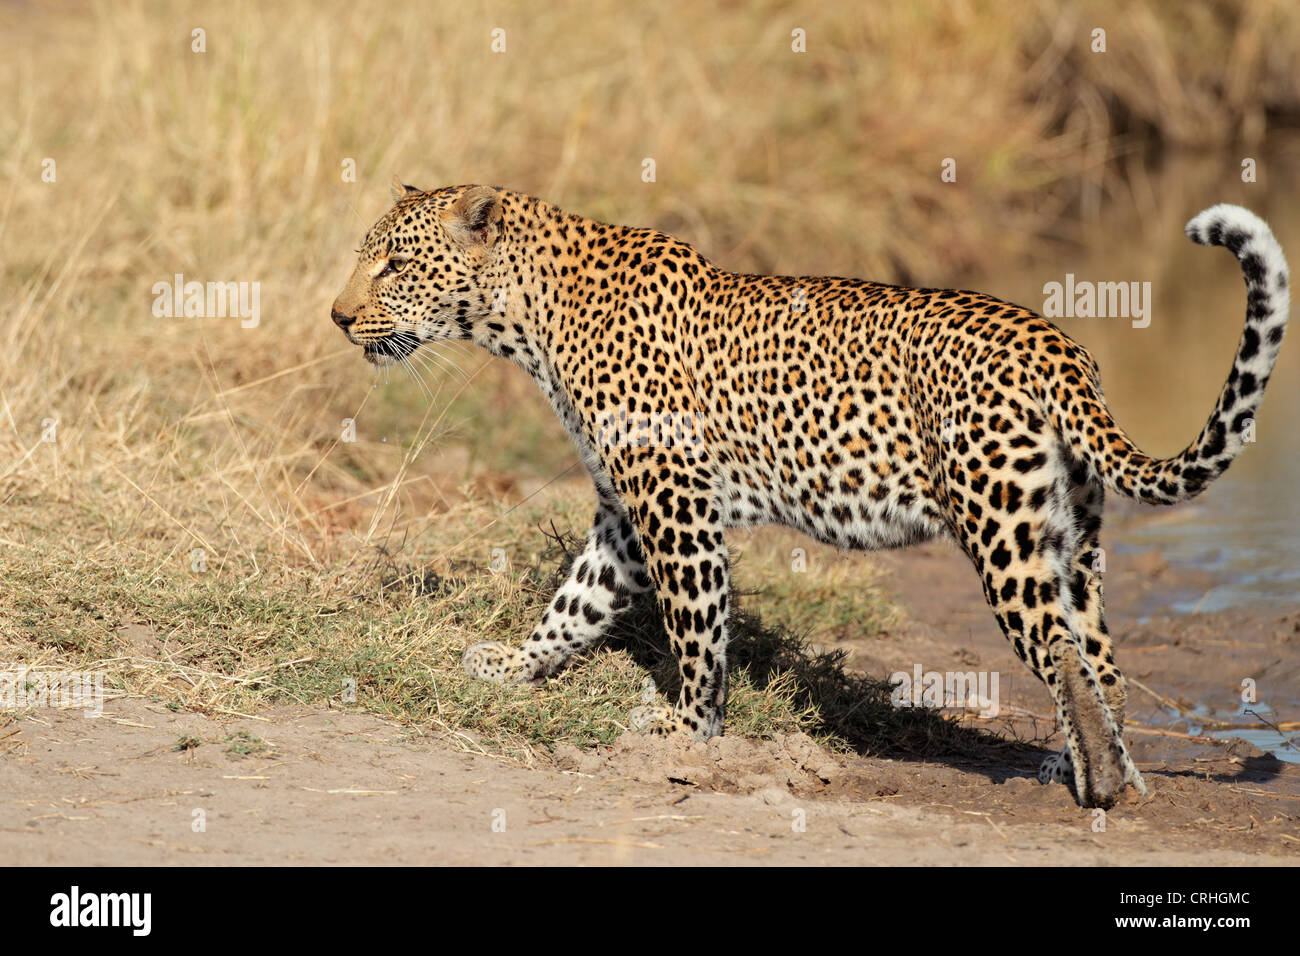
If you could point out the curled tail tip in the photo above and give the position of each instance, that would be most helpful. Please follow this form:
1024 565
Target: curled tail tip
1227 225
1248 238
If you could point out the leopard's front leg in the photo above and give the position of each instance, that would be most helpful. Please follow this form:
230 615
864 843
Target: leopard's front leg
686 556
601 582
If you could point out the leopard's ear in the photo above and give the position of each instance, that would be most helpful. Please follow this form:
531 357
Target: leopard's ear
402 191
474 219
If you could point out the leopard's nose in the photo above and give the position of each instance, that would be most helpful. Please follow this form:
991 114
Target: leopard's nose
341 320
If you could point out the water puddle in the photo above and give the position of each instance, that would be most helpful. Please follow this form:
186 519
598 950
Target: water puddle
1252 724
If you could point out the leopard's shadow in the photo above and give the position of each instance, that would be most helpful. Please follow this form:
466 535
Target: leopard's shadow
852 710
855 709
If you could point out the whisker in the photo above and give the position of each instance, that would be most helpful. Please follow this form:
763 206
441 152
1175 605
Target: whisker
402 346
435 361
407 333
415 371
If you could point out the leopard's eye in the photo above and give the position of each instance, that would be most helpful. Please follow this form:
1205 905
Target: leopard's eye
394 266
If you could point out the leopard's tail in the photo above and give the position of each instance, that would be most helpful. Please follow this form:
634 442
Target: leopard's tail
1120 464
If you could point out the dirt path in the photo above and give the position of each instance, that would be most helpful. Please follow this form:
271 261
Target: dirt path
346 788
350 789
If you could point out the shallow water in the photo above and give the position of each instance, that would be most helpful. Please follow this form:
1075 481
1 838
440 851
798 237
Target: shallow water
1162 381
1281 744
1285 747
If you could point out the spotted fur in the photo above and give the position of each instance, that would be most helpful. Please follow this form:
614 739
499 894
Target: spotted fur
865 415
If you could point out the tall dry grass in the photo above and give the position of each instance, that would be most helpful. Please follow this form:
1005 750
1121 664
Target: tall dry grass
172 435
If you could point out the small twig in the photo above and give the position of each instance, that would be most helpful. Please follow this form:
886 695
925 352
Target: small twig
1211 722
1286 742
1160 732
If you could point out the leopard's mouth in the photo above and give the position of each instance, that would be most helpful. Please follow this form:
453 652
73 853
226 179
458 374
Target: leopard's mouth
389 350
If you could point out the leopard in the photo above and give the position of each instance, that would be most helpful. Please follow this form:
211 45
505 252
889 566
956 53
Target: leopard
862 414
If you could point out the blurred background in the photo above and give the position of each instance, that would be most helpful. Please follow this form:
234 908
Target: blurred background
217 141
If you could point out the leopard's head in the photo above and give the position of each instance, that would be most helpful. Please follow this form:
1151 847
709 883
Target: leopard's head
422 271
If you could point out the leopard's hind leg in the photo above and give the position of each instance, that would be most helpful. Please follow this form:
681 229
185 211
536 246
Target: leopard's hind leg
1024 533
1088 619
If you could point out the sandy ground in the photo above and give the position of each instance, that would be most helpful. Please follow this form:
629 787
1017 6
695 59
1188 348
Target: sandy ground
341 787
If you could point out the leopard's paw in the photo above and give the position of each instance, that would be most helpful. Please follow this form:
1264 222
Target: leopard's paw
655 719
1058 768
496 662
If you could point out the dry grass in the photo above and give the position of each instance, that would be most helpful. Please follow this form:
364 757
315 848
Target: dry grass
179 436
